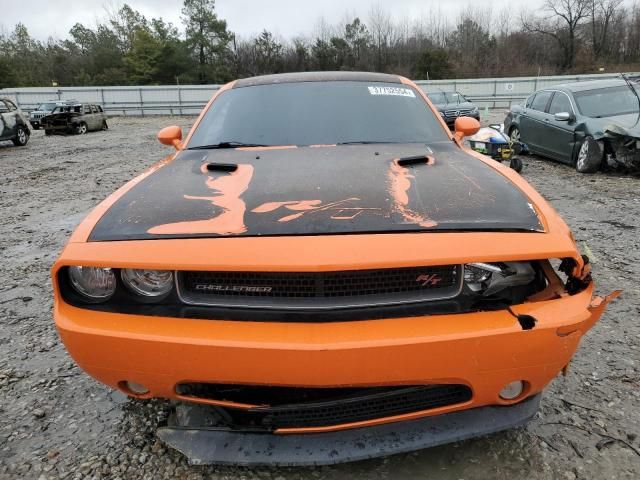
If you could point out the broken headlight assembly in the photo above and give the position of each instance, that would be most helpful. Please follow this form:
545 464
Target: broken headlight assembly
497 279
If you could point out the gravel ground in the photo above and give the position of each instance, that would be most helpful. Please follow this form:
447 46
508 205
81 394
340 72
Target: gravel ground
57 422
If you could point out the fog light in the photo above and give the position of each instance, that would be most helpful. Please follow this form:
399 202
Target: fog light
512 390
136 388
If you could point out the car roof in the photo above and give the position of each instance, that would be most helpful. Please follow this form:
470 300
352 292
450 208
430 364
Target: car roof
589 85
299 77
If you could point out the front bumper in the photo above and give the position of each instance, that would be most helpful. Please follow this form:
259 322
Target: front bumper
58 127
216 446
484 350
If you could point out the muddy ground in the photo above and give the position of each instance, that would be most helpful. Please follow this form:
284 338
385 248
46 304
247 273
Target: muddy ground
57 422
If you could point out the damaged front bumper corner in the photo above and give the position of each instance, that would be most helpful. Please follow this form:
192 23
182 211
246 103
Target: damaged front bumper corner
186 431
622 147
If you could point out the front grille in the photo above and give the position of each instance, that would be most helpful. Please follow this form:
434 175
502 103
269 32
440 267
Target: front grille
318 407
457 113
319 289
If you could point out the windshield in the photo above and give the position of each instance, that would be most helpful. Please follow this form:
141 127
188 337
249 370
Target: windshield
455 97
446 97
318 113
47 107
438 97
67 108
606 102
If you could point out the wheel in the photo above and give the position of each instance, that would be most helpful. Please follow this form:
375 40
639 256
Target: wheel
22 137
81 128
104 125
589 156
35 127
516 164
514 134
48 131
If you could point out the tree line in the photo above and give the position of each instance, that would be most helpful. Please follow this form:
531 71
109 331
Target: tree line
126 48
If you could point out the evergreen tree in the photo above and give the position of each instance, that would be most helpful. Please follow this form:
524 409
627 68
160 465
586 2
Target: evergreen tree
208 38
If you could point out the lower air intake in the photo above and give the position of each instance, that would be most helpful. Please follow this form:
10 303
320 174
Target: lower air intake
280 407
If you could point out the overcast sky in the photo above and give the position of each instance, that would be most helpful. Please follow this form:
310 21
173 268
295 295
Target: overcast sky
285 18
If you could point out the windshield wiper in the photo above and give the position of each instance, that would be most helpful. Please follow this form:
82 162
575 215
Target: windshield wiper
231 144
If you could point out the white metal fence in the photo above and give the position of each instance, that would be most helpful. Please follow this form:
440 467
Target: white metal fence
144 100
190 99
503 92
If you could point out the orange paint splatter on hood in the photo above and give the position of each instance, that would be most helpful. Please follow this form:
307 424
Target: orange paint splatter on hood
399 184
228 188
313 206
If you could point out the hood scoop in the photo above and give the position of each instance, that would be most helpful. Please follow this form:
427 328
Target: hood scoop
414 160
221 167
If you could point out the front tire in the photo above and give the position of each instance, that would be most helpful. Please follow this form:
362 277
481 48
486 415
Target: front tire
48 132
514 134
81 128
22 137
104 125
589 156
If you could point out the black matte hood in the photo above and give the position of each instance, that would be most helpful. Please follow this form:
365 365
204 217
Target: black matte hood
318 191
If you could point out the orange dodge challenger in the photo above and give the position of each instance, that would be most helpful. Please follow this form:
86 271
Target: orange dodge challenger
321 272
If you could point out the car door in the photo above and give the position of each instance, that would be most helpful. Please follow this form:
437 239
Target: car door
5 131
88 117
97 115
560 134
532 122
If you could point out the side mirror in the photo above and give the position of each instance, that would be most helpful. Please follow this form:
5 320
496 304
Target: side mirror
170 136
465 127
562 116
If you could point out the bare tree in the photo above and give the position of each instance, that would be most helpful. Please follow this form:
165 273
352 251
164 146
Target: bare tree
381 28
566 16
602 13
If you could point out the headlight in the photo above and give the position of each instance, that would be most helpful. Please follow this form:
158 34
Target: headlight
491 278
148 283
477 274
441 114
95 283
474 110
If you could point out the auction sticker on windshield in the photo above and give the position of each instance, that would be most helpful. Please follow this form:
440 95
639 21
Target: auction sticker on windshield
402 92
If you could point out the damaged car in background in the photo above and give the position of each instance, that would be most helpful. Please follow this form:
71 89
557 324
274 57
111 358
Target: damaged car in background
591 125
321 272
78 118
14 125
44 109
